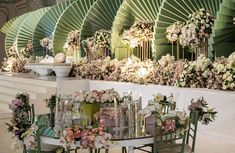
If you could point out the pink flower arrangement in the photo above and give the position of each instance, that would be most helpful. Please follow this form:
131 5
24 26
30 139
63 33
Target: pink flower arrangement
168 125
89 138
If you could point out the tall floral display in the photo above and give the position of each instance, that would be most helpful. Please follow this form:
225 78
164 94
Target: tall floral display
139 36
72 45
98 46
193 34
173 34
46 43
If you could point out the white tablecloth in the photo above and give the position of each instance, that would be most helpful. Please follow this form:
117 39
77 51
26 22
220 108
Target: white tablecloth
220 133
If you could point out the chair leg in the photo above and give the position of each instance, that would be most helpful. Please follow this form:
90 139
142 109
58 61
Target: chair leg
124 150
106 151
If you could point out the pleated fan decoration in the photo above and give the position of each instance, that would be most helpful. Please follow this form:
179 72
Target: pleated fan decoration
12 32
172 11
27 28
5 28
71 19
100 16
224 29
130 12
47 24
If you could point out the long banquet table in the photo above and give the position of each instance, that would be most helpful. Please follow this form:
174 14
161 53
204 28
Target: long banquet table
218 137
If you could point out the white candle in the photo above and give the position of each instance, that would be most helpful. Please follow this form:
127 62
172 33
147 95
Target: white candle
115 108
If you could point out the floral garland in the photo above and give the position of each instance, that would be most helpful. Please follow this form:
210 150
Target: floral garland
139 32
92 138
94 96
206 114
202 73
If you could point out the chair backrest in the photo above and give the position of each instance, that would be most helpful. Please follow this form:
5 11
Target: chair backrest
166 107
192 129
164 142
170 142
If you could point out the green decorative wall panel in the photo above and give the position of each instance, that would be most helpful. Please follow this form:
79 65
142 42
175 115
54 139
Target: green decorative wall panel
100 16
27 28
224 29
13 30
7 25
129 12
172 11
47 24
71 19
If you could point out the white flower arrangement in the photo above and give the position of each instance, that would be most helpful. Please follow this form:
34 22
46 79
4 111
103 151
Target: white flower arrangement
72 41
203 20
174 31
139 32
188 36
102 38
47 43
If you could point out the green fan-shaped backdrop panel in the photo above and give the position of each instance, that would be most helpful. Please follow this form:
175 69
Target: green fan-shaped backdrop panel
100 16
71 19
7 25
224 29
129 12
46 25
172 11
12 32
27 28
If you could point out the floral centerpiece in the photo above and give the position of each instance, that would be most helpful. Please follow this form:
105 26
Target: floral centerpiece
72 44
173 33
188 36
46 43
102 41
204 20
92 138
140 31
206 114
91 102
156 105
89 47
